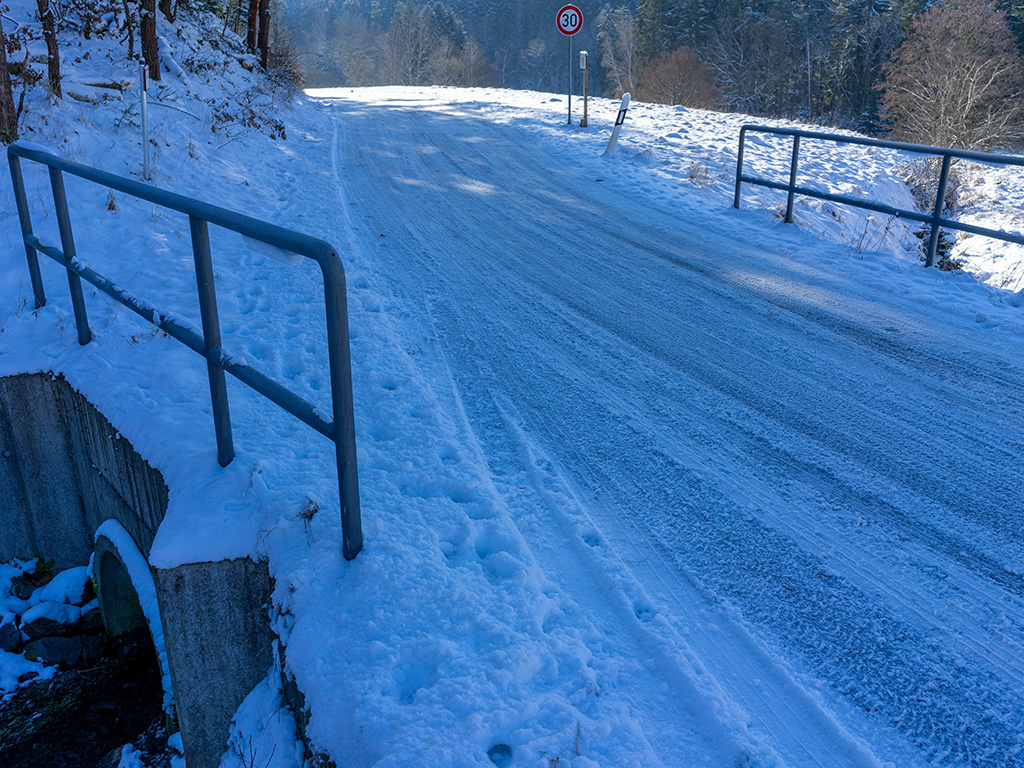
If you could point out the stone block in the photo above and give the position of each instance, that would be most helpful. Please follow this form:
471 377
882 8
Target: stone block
63 651
10 636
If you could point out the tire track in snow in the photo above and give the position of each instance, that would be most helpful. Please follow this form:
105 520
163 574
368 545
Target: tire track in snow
789 594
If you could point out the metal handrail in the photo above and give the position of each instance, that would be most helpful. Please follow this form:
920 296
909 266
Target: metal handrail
340 430
935 219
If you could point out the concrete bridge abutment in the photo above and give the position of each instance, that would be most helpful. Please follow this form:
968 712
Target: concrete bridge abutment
71 488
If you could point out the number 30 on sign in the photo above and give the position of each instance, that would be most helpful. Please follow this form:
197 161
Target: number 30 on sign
569 20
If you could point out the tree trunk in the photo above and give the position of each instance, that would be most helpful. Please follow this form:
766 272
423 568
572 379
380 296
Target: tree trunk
167 9
150 50
236 24
52 51
251 33
264 36
8 115
129 29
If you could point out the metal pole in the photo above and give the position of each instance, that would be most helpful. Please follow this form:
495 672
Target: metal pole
792 179
143 85
569 121
344 433
211 338
940 200
25 220
739 168
584 123
67 244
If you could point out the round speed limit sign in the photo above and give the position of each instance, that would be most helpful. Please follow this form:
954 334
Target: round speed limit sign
569 20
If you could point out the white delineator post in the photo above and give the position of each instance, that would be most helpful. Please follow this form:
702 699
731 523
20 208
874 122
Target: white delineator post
618 125
143 87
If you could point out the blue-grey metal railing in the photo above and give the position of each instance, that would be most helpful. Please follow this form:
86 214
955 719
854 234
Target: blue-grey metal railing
341 430
935 219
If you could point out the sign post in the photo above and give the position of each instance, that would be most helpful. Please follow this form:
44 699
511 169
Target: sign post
583 66
143 87
569 21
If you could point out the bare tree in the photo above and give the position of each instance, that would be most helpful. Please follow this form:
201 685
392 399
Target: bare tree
150 49
252 26
263 38
8 114
616 34
748 58
52 51
537 69
956 80
679 77
408 45
129 29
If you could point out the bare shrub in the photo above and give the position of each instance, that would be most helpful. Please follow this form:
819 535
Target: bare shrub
679 77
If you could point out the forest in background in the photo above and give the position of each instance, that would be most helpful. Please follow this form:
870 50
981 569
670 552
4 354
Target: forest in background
833 62
940 72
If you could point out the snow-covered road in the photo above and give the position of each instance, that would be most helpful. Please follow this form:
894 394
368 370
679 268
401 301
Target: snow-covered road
792 493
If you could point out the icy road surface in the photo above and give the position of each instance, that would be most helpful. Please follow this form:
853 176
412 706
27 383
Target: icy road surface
794 494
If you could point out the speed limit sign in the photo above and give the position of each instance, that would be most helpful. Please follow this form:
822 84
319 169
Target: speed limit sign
569 20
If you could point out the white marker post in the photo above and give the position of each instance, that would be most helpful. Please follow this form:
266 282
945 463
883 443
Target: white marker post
583 66
569 21
143 87
618 125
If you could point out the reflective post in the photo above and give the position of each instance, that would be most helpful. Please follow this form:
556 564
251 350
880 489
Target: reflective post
143 87
619 120
583 66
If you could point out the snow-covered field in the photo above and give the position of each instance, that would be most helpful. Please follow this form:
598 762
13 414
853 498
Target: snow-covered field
645 480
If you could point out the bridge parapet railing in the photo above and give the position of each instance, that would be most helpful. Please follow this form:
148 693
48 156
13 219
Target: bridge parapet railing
340 429
935 219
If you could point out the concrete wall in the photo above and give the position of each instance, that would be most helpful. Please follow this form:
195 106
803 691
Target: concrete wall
221 646
64 470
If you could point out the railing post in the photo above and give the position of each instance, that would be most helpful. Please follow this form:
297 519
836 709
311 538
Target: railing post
739 168
21 200
940 201
792 178
344 413
211 338
67 244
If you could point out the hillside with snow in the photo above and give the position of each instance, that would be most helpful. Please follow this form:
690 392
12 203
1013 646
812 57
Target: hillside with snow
645 480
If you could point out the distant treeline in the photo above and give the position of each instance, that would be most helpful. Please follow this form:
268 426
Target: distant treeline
828 61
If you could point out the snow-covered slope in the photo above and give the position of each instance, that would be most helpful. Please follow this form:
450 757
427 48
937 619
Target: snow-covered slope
645 480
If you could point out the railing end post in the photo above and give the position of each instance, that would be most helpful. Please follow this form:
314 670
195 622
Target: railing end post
225 453
940 201
739 167
351 547
792 178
